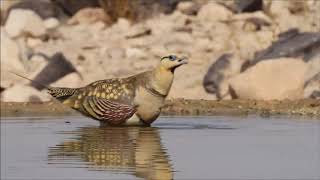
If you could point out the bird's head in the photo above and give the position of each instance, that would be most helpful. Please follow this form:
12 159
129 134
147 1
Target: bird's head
171 62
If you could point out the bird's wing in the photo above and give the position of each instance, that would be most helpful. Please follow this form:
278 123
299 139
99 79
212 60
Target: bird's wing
108 111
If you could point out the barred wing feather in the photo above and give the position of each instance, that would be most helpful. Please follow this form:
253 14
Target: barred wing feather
108 111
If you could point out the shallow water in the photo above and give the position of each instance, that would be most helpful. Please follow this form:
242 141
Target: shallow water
180 147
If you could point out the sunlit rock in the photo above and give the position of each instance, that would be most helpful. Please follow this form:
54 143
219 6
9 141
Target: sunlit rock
273 79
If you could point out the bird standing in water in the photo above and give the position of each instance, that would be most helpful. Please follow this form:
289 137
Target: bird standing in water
135 100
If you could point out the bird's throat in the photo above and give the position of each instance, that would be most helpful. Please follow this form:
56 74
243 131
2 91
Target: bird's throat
162 80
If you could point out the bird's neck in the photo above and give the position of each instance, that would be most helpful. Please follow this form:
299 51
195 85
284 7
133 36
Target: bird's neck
162 79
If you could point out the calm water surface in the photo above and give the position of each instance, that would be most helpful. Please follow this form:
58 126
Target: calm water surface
179 148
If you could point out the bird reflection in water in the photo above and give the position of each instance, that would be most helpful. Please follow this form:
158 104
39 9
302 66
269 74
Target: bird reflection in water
135 150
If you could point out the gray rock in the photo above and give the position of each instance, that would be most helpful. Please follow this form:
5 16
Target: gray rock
248 5
57 68
291 43
315 95
44 8
215 75
312 87
219 73
313 66
70 7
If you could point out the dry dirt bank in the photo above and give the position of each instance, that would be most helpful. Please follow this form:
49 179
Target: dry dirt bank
184 107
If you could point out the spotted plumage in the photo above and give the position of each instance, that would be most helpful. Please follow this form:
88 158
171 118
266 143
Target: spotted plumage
60 92
135 100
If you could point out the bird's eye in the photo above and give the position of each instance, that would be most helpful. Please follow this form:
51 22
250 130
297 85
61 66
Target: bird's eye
172 57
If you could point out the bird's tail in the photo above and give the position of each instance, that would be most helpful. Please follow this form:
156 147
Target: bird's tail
57 92
36 82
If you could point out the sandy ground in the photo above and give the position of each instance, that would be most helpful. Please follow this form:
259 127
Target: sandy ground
184 107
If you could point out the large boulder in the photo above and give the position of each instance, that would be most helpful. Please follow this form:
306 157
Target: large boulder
294 14
313 65
44 8
4 8
312 78
10 60
312 87
218 74
23 93
24 22
248 5
72 80
252 22
291 43
70 7
57 68
9 52
188 7
267 80
213 12
136 10
90 16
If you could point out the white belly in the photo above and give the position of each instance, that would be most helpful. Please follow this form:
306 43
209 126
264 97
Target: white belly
134 121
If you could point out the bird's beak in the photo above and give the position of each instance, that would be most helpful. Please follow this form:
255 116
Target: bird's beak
183 60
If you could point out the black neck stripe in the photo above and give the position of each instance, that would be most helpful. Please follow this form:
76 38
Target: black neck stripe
155 92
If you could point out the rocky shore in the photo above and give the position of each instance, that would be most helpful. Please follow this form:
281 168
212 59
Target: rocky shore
266 50
183 107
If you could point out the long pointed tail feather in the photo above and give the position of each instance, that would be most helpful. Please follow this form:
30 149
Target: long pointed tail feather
38 83
57 92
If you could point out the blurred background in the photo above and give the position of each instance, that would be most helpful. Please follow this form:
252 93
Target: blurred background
237 49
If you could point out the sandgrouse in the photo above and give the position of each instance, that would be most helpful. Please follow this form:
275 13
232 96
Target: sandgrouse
135 100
